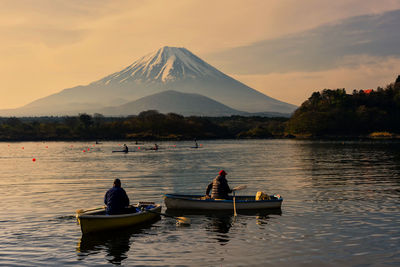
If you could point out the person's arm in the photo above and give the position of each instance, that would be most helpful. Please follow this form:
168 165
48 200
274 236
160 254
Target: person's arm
105 198
126 200
209 189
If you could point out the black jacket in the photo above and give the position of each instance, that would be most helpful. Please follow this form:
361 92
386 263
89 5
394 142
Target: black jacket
116 200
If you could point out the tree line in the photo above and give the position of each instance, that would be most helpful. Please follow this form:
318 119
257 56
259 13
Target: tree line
148 125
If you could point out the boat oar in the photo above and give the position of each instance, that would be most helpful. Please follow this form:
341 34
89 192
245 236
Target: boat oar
180 220
240 187
93 209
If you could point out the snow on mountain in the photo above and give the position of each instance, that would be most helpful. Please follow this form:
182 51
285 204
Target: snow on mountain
166 65
169 68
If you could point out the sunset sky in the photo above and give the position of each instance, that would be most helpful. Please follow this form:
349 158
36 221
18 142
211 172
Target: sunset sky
284 48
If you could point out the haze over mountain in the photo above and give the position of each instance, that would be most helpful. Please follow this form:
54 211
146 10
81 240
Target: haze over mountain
174 102
169 68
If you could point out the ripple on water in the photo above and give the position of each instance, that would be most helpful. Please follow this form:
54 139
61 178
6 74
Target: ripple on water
341 203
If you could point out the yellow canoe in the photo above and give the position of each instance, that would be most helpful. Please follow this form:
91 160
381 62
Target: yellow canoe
96 220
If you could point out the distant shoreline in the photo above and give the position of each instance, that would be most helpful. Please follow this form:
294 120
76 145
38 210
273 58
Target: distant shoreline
311 138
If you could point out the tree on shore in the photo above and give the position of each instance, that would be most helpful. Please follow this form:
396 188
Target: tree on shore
334 112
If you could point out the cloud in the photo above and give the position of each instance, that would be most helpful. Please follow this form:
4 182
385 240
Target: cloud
295 87
322 48
49 45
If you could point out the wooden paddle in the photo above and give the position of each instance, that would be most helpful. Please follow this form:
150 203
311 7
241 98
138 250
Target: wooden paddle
240 187
180 220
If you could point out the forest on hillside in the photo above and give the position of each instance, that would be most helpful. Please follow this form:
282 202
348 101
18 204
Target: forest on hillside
336 113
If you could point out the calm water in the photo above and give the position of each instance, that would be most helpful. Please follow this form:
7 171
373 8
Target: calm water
341 203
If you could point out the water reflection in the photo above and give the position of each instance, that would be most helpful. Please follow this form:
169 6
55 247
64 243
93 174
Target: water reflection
351 170
220 224
341 203
115 244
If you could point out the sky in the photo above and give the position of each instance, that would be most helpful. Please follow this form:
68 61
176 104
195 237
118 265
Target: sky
286 49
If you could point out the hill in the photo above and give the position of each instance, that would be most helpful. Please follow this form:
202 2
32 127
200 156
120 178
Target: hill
334 112
174 102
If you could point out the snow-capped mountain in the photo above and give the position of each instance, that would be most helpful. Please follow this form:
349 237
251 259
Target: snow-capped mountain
169 68
166 65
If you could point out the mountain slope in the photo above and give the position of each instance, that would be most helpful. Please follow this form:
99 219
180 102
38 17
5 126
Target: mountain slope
173 102
169 68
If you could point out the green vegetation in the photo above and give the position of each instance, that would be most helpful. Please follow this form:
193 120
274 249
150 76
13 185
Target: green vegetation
336 113
148 125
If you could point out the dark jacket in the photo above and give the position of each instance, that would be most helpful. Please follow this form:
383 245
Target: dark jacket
116 200
220 187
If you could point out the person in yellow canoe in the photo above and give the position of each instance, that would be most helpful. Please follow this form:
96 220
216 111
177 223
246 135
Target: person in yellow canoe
116 199
219 187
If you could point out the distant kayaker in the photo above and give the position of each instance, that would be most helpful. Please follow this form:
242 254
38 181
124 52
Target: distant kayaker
219 187
155 147
116 199
126 149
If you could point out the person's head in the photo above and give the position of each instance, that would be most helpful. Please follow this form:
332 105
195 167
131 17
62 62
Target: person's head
117 182
222 172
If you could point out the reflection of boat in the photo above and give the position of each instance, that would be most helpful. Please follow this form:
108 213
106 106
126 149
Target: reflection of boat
220 225
198 202
94 221
115 244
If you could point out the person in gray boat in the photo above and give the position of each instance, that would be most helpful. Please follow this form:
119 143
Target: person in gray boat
116 199
219 187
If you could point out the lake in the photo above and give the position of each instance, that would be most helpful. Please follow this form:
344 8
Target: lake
341 203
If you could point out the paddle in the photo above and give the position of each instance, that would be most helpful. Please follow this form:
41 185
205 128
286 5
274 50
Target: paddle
240 187
93 209
180 220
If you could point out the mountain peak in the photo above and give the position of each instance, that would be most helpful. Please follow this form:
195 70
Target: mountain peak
168 68
167 64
